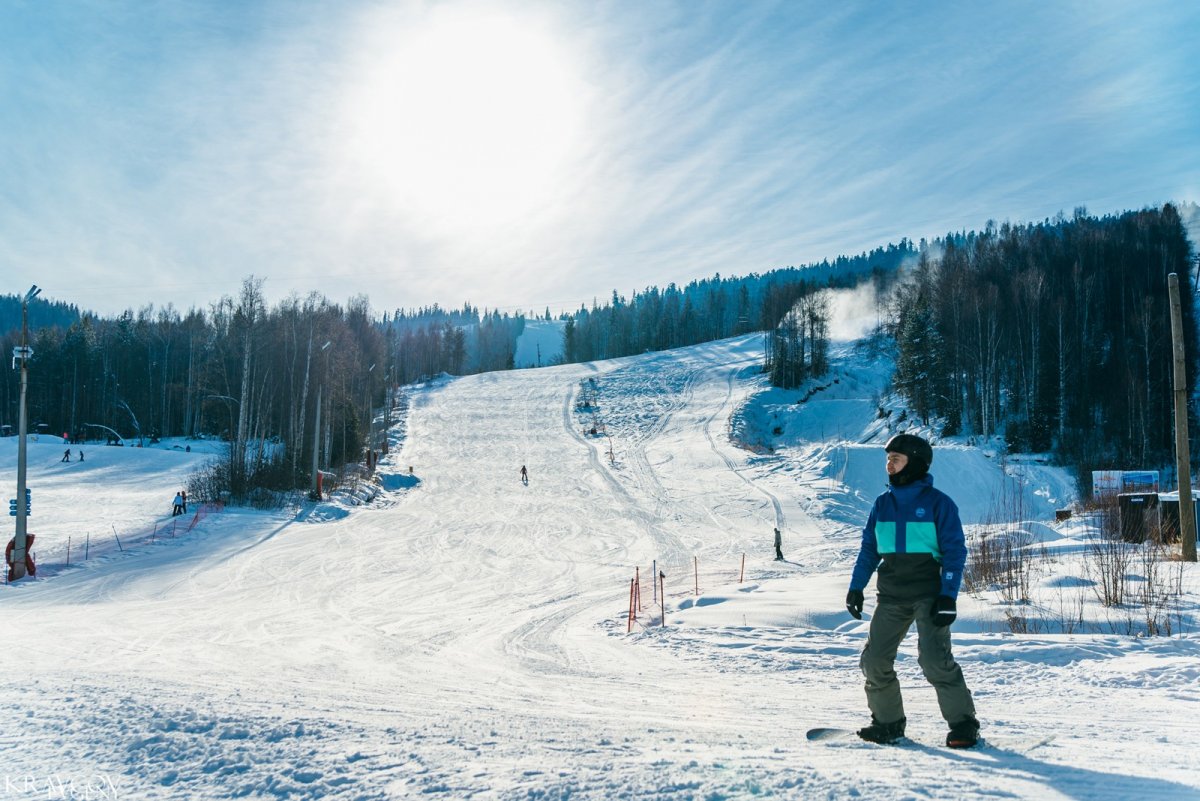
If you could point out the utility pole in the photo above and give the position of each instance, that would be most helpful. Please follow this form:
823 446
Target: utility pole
315 492
1187 512
22 353
370 424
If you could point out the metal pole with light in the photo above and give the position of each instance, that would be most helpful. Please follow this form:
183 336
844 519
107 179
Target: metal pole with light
22 353
387 411
370 424
315 492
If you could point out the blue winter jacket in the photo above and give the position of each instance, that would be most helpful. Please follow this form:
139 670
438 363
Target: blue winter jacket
915 538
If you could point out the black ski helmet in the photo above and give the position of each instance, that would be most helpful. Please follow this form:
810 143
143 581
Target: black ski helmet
912 446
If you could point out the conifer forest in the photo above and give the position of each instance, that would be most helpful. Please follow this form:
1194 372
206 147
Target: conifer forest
1054 335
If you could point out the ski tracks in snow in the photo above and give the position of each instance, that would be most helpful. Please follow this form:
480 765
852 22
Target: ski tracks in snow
459 642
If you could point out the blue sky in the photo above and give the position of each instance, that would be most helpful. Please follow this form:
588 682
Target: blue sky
531 155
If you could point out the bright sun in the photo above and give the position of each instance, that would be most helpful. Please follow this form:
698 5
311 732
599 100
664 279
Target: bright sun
465 120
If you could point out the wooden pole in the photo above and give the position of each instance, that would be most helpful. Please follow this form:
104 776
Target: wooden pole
742 575
1187 512
68 550
696 572
630 628
662 597
637 575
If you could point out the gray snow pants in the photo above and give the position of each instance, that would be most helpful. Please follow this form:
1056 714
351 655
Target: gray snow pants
889 625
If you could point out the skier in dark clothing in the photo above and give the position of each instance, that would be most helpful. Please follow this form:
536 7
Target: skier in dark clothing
915 538
778 546
67 455
524 475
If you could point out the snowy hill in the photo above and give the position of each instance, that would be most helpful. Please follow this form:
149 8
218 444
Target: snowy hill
466 636
829 434
540 344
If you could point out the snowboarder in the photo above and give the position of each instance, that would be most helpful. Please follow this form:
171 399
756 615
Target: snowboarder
178 505
67 455
524 475
915 538
778 546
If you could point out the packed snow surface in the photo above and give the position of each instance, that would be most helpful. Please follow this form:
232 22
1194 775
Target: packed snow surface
465 634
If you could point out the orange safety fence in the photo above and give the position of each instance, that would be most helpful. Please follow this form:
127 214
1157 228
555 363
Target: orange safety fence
668 585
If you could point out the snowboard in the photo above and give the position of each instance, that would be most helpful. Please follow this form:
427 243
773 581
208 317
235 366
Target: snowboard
823 733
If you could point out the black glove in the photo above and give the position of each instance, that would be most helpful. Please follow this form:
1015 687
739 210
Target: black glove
945 610
854 602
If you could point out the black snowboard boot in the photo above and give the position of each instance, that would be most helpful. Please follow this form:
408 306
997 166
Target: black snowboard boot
883 733
964 734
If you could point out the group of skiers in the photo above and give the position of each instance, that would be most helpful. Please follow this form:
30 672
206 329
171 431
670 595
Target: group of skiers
180 504
67 455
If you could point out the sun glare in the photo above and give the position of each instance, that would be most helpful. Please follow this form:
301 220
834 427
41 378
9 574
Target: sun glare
466 120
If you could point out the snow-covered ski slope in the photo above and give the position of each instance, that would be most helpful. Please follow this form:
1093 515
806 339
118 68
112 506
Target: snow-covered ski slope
466 637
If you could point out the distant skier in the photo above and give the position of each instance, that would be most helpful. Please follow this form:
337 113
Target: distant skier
81 454
524 475
67 455
778 546
915 538
178 505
